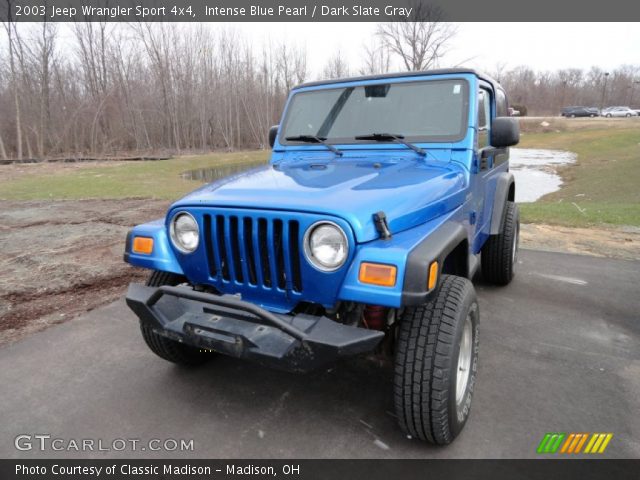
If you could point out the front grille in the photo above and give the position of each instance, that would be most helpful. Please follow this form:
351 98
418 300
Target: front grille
254 250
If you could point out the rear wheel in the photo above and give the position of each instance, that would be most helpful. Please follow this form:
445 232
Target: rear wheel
436 362
164 347
500 252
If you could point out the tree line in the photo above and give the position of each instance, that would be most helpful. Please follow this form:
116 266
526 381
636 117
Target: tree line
106 89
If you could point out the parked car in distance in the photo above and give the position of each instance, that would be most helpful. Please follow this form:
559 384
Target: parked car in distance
579 112
513 112
619 112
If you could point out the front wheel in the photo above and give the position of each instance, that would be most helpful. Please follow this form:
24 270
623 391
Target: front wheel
436 362
170 350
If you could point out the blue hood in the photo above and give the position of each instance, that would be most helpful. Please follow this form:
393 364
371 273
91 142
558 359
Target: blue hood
409 191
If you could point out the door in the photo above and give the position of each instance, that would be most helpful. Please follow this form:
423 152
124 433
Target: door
488 163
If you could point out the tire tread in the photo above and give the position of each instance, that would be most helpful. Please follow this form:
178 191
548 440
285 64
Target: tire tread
496 259
163 347
422 363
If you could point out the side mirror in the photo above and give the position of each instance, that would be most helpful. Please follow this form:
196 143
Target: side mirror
273 132
505 132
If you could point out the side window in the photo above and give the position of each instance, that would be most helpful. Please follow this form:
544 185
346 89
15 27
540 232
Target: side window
484 117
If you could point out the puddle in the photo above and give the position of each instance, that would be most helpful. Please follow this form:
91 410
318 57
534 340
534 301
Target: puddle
207 175
534 171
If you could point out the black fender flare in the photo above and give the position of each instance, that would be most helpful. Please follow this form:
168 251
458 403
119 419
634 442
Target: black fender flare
503 184
435 246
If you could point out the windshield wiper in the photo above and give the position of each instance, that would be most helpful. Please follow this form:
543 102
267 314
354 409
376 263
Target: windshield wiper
314 139
380 137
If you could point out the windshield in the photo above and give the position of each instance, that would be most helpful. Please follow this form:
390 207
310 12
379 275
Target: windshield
426 111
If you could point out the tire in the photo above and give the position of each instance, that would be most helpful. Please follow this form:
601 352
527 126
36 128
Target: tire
573 116
608 115
428 402
164 347
628 115
500 252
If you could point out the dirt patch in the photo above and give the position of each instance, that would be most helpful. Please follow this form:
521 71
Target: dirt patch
62 258
622 242
59 259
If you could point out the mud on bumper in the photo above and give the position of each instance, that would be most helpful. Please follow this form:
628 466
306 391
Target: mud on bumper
231 326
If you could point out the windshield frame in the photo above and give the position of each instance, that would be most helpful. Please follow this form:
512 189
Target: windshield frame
457 137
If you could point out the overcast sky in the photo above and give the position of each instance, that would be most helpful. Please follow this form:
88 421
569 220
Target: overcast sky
543 46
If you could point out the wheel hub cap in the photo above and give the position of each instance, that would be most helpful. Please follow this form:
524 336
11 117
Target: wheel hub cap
464 360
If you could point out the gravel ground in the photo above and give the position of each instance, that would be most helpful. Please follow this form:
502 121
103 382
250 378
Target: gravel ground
62 258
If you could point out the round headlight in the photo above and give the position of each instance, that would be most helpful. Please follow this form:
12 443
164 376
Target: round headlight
184 232
326 246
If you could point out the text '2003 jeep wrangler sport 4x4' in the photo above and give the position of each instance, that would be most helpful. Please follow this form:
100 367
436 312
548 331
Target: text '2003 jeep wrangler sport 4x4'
382 198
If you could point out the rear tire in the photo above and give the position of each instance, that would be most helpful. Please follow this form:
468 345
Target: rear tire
436 341
500 252
164 347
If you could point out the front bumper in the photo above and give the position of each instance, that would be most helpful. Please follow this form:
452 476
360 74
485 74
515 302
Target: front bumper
231 326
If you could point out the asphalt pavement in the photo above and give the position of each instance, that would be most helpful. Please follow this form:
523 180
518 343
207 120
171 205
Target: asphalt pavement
559 352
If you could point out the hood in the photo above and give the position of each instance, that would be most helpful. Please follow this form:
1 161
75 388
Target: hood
409 191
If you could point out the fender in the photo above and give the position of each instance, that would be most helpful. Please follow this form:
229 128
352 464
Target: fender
162 257
503 185
435 246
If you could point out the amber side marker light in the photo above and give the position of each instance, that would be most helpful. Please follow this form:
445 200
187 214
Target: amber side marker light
378 274
143 245
433 276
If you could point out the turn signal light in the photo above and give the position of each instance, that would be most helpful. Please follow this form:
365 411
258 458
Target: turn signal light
378 274
433 276
143 245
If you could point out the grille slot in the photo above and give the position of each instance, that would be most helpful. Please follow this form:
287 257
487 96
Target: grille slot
254 250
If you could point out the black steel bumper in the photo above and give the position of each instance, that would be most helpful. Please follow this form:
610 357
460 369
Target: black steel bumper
228 325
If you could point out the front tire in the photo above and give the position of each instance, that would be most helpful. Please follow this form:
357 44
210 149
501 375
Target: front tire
164 347
500 252
436 362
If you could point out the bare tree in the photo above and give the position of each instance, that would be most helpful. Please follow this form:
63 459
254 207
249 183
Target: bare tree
336 67
112 89
376 58
291 65
10 29
421 42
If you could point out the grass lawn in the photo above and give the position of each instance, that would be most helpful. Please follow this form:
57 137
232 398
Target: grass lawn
149 179
602 187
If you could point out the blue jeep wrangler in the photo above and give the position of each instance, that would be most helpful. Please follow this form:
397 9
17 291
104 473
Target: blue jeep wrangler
383 197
